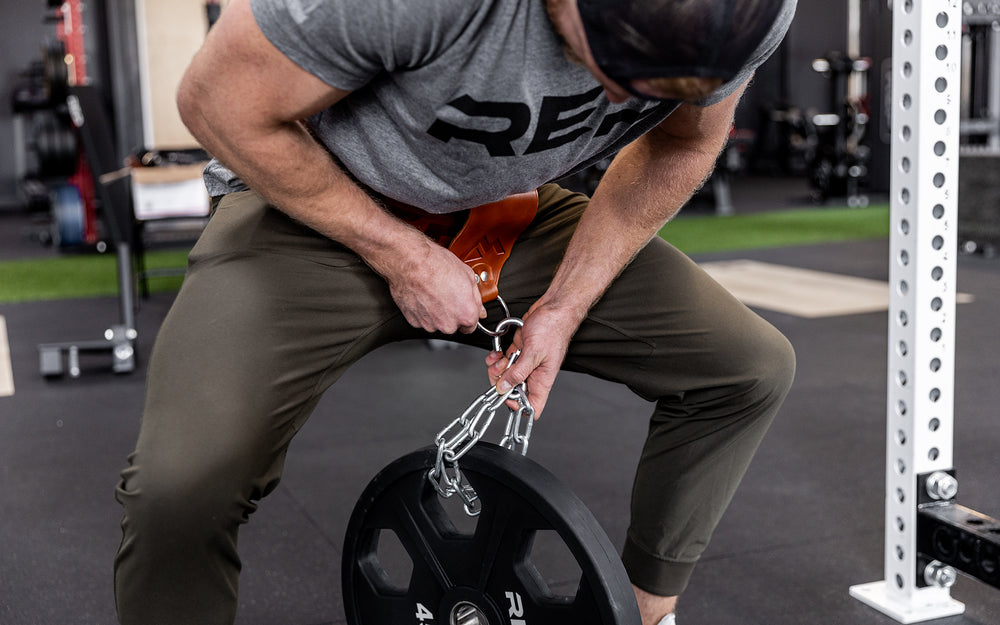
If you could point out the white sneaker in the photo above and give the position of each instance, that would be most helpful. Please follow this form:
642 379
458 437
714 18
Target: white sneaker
668 620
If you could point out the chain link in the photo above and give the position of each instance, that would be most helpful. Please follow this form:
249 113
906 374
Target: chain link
462 434
519 424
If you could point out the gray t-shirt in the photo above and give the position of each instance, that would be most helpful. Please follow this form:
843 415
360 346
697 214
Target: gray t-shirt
456 103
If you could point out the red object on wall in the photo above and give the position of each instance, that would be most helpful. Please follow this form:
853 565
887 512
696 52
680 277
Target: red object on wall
83 180
71 31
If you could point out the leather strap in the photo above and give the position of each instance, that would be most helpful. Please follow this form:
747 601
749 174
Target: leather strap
485 240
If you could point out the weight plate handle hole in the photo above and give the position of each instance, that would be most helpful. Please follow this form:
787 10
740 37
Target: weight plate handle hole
465 613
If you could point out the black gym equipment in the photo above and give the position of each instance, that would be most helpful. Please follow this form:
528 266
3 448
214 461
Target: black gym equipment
57 182
88 114
978 185
55 146
484 577
949 534
840 164
56 71
979 202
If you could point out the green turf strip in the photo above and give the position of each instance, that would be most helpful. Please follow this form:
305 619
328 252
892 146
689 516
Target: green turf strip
78 275
94 275
701 234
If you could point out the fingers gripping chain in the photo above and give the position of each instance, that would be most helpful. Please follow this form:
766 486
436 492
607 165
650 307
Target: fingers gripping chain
459 436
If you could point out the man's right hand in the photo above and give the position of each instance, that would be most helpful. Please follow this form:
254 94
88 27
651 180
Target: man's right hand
433 288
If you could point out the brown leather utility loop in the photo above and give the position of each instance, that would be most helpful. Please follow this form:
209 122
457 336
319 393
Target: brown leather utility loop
484 241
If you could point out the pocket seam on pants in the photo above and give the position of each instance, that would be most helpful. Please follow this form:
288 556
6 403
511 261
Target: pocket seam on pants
619 330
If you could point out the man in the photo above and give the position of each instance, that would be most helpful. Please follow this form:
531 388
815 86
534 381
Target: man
322 112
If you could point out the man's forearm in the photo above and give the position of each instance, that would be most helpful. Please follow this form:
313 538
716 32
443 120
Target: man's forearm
299 177
645 186
640 192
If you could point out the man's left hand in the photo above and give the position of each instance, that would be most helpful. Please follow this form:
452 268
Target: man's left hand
543 342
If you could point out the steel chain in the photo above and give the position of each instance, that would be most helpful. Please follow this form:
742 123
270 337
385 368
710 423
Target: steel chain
461 435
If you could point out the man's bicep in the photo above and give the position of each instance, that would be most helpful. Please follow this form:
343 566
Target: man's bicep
239 75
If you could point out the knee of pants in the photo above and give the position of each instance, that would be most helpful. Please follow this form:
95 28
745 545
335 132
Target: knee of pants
775 357
185 497
747 374
765 361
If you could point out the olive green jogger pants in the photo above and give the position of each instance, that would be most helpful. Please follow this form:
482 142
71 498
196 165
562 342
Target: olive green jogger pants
271 314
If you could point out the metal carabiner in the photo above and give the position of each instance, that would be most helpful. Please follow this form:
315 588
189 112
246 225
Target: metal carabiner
502 329
506 315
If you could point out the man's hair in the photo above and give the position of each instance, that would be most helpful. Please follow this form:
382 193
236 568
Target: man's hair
686 88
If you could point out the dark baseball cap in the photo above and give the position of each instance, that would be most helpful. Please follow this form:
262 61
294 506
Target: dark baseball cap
642 39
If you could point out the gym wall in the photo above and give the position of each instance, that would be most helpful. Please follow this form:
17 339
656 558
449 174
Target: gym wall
169 34
21 36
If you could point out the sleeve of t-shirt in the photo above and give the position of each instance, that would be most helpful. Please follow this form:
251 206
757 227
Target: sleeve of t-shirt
345 43
763 52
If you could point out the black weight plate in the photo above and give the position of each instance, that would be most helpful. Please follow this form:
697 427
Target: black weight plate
492 568
56 148
56 71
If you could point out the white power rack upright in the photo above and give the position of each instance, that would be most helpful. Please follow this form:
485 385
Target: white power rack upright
920 514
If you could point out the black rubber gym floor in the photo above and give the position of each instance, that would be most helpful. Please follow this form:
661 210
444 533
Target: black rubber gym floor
805 525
